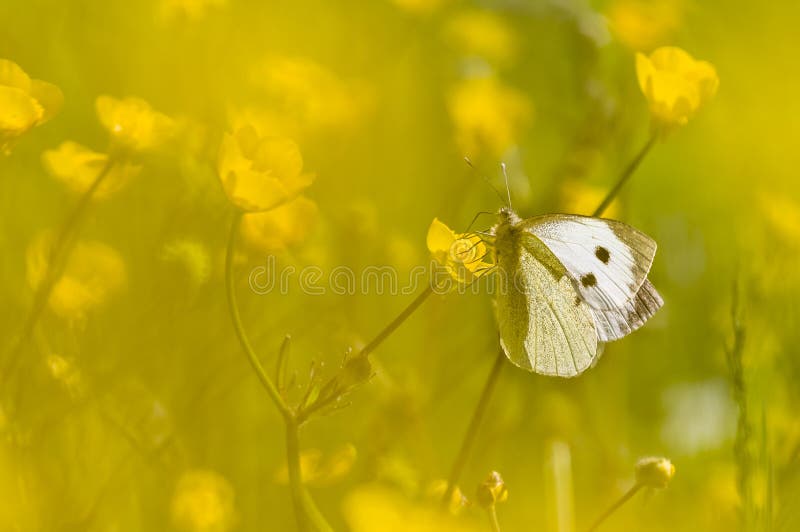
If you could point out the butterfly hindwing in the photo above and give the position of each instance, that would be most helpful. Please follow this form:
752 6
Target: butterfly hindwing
607 260
544 326
613 324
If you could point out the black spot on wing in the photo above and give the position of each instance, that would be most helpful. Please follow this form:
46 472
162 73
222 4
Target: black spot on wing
588 280
603 254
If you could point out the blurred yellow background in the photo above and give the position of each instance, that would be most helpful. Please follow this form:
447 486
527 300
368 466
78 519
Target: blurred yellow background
130 405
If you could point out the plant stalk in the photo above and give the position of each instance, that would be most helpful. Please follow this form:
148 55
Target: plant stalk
614 507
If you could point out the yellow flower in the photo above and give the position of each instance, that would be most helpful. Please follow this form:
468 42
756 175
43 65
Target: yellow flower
675 84
371 508
463 257
92 274
24 103
642 25
78 167
487 115
482 33
654 472
260 173
65 372
203 502
133 124
320 470
311 96
282 227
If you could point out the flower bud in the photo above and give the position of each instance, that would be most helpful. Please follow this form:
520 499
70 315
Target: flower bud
654 472
492 490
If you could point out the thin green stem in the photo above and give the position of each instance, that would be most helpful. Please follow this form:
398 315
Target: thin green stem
492 510
236 318
296 475
614 507
480 409
57 260
472 430
626 174
395 323
308 515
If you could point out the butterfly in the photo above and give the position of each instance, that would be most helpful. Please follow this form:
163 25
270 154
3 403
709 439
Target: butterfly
569 284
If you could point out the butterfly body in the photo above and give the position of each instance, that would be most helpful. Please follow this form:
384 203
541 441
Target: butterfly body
568 284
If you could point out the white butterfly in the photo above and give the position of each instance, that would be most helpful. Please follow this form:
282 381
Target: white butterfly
568 284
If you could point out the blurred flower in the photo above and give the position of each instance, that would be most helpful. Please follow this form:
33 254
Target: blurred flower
458 501
65 373
260 173
133 124
78 167
700 416
312 95
482 33
420 7
463 257
675 84
579 197
92 273
322 470
190 9
654 472
782 215
282 227
24 103
192 255
641 25
371 508
487 115
492 490
203 502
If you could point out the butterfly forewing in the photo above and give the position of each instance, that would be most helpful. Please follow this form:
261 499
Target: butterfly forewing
607 260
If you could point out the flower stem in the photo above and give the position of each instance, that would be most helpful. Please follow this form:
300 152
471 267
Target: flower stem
488 388
493 518
308 515
626 174
614 507
236 318
395 323
472 430
59 255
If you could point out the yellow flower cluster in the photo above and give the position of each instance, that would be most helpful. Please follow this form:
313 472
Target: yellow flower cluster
24 103
133 124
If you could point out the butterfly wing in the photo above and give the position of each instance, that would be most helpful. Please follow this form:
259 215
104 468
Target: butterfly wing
544 326
608 262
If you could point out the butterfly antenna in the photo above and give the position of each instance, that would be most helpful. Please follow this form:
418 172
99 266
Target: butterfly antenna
508 189
486 179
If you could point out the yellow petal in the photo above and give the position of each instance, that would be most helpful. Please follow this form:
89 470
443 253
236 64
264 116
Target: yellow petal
280 156
282 227
18 111
49 97
11 75
132 123
78 167
440 237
